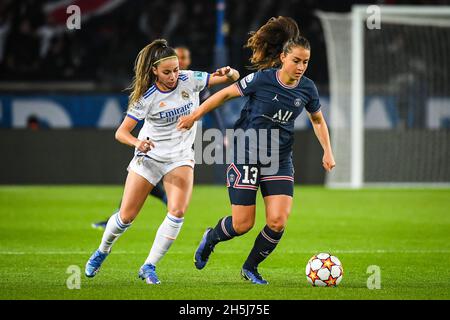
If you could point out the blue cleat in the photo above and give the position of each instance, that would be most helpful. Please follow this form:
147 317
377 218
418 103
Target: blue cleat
148 273
94 263
203 251
99 225
253 276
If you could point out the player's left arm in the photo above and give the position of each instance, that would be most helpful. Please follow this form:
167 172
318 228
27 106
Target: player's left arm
321 130
223 76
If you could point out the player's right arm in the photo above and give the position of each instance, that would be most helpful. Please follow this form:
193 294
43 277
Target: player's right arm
211 103
123 135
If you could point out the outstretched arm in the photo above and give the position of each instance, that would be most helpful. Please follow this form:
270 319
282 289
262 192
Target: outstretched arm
321 130
223 76
211 103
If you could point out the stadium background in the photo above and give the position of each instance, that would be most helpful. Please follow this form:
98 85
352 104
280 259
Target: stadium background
74 79
72 82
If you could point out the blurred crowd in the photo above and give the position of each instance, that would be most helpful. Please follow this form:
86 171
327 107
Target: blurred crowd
35 45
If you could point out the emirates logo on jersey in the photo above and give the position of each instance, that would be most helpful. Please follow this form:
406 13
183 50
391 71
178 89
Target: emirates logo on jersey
184 95
172 115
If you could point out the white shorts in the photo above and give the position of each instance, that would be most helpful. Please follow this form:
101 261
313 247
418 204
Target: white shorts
153 170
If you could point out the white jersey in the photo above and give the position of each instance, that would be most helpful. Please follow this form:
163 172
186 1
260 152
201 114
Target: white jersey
161 111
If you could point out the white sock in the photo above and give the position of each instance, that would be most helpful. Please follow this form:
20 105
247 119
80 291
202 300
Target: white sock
165 236
114 228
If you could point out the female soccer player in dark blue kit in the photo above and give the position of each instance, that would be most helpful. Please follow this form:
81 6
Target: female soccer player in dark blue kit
277 93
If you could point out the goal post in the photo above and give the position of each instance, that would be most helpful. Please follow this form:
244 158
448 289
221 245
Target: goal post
389 69
357 102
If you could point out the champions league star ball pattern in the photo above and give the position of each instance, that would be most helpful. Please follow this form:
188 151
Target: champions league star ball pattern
324 270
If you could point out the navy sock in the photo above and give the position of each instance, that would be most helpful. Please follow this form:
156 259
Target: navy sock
265 243
159 192
223 231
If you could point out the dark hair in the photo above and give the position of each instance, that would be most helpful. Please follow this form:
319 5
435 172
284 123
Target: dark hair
269 41
296 42
147 58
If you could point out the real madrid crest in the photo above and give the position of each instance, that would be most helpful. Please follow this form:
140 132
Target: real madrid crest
184 95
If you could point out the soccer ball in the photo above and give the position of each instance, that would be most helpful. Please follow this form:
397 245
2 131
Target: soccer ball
324 270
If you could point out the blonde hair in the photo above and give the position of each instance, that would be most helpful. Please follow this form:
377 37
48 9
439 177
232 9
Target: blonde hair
150 56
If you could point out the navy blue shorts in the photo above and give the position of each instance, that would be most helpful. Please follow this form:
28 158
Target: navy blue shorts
243 181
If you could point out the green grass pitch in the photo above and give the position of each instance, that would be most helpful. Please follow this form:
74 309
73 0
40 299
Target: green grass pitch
45 230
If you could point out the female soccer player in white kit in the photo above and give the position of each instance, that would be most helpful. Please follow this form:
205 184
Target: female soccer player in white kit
160 95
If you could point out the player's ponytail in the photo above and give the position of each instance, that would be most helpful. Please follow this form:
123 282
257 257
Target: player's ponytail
268 41
148 57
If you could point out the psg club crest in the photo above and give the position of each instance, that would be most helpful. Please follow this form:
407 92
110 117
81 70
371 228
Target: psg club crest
232 178
298 102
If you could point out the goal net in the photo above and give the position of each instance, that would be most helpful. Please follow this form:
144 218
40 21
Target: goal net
389 70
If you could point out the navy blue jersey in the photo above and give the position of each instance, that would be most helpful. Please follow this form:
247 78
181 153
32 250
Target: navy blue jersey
274 105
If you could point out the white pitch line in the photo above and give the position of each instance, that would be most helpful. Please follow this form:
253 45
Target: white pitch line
224 252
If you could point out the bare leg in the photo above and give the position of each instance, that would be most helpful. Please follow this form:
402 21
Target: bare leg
178 184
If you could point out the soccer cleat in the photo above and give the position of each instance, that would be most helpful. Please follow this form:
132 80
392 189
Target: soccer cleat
203 251
99 225
148 273
94 263
253 276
